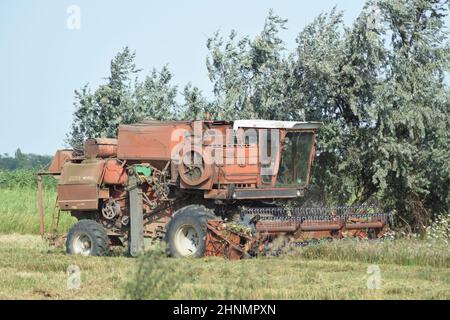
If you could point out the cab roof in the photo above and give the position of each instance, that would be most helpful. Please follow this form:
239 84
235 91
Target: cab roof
257 123
275 124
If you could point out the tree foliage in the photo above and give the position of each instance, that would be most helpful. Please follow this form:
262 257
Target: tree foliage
248 73
123 99
196 106
22 160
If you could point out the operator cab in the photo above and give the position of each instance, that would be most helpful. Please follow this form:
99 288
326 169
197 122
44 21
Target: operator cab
286 151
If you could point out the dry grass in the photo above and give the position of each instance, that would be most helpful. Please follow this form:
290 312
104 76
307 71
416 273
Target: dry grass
29 269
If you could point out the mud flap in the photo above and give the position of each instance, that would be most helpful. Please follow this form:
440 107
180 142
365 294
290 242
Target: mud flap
136 217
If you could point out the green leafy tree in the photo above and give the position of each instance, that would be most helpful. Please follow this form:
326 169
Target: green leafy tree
23 161
123 99
98 113
155 98
248 73
385 106
196 107
336 74
412 111
378 87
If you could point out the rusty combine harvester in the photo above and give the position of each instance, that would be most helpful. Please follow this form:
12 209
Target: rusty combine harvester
205 187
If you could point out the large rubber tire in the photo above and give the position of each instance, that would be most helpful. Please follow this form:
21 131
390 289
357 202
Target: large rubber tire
87 238
186 232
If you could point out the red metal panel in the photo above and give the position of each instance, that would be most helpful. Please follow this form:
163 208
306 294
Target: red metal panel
240 165
100 147
87 172
61 157
148 142
78 197
115 173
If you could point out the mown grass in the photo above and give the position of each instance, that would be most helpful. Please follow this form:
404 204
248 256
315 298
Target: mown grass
29 269
19 211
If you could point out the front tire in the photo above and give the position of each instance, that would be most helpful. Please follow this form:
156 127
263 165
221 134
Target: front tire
87 238
186 232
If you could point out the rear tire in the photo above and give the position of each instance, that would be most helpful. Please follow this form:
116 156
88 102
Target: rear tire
186 232
87 238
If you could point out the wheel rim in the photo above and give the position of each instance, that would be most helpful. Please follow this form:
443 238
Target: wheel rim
82 244
187 241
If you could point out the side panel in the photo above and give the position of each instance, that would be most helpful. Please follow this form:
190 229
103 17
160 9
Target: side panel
78 196
78 186
100 148
277 193
87 172
115 173
240 165
149 142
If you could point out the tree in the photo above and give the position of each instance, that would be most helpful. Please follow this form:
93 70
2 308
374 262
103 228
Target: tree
123 99
196 106
155 98
122 68
337 70
378 87
412 111
248 73
23 161
98 114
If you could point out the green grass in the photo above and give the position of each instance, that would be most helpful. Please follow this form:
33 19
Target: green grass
19 211
399 252
24 178
29 269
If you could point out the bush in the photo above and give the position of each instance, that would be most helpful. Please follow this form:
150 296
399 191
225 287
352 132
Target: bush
439 230
157 276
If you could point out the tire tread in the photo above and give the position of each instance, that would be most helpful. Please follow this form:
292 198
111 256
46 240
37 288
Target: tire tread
96 230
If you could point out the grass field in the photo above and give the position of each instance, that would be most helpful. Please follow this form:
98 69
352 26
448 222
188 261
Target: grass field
29 269
19 211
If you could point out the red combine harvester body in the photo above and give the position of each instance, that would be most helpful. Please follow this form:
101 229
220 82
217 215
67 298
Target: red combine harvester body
205 187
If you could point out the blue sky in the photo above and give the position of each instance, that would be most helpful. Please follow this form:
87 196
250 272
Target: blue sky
42 61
